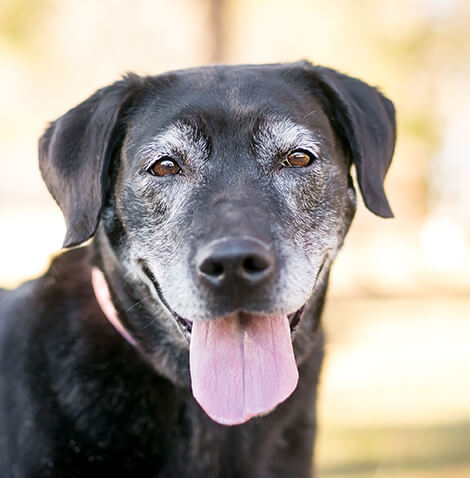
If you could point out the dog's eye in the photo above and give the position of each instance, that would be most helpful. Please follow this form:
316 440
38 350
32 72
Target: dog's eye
298 159
164 167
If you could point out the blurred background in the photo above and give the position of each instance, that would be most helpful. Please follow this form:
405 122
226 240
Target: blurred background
395 394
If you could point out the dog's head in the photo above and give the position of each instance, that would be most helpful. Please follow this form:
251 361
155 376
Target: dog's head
225 190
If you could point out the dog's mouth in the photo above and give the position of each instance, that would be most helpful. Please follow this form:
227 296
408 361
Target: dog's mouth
242 364
186 326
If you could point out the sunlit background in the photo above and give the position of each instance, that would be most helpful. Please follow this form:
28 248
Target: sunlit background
395 393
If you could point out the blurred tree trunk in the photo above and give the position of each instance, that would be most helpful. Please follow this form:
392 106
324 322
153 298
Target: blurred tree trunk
218 30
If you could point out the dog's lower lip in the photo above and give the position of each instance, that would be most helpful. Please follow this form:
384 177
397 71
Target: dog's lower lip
295 317
185 324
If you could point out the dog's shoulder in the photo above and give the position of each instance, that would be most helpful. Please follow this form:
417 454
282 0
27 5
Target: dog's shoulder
68 275
67 279
31 310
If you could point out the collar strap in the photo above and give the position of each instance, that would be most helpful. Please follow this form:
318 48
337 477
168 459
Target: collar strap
103 296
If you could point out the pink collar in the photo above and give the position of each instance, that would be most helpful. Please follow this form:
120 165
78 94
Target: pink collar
101 290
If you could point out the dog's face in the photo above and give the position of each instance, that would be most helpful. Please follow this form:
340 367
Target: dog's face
225 190
231 201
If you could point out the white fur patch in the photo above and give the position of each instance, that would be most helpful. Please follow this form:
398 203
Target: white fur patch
182 140
282 136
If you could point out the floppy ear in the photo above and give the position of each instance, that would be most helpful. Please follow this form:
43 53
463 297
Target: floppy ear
365 120
74 155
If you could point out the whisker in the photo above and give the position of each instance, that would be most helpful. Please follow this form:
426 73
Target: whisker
138 303
148 325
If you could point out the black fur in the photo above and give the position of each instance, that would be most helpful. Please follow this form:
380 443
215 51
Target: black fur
75 398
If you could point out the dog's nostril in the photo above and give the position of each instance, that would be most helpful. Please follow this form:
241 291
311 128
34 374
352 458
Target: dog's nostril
212 268
254 263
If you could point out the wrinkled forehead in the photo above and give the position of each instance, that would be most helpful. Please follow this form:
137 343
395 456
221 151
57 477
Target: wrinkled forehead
203 108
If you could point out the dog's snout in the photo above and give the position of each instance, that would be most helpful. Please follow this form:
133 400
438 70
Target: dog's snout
236 261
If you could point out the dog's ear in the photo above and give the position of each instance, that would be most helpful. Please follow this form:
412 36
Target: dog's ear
365 121
74 155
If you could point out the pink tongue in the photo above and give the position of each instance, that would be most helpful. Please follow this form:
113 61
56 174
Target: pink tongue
241 366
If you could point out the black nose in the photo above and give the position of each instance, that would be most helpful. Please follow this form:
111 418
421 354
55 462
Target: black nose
231 261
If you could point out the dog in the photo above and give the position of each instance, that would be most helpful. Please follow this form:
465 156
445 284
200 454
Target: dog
185 340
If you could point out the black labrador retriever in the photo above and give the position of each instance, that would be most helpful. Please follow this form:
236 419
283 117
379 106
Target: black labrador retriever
184 340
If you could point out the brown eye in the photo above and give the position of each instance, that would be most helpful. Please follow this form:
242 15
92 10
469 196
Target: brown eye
298 159
164 167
